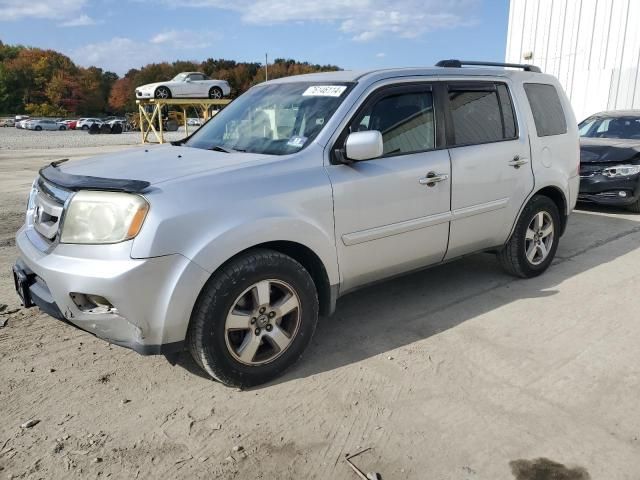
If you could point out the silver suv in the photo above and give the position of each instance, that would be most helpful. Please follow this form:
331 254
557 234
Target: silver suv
231 242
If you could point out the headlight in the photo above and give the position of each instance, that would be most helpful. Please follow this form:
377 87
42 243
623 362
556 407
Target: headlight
103 217
621 170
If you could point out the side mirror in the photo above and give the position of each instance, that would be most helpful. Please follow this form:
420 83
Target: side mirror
188 80
363 145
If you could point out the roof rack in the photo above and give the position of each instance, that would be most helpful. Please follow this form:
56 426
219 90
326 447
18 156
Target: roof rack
459 63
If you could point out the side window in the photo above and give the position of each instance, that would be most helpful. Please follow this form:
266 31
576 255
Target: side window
405 120
481 114
508 117
546 108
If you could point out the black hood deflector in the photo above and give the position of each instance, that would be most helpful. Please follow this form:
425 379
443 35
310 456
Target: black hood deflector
68 181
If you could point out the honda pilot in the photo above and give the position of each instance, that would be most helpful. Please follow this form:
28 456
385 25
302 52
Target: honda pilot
232 242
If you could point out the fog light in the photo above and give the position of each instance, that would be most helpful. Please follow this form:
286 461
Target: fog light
622 193
89 303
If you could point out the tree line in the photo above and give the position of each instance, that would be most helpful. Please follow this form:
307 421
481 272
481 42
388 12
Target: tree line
47 83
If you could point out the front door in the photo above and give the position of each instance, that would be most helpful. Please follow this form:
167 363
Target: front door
389 218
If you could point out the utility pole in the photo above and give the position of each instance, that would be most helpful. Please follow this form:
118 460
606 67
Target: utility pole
266 68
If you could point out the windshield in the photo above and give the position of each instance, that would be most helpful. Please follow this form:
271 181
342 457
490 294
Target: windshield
610 127
180 77
275 119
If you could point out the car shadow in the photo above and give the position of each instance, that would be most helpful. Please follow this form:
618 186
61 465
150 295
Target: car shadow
406 309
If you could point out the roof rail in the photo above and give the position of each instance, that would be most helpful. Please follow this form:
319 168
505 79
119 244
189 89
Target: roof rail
459 63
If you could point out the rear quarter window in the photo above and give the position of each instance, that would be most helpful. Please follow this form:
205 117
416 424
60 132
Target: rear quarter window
547 110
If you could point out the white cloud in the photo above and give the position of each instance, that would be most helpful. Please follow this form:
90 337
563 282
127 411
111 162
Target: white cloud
363 20
122 53
81 21
381 55
118 54
185 39
51 9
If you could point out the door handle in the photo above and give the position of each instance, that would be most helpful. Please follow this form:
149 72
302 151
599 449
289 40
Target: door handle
517 162
432 178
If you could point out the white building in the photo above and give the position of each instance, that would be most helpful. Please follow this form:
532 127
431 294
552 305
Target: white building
592 46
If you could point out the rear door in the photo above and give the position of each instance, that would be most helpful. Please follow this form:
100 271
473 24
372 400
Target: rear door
388 217
490 164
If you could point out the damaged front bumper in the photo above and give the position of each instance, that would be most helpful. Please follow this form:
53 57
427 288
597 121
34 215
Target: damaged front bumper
617 191
145 304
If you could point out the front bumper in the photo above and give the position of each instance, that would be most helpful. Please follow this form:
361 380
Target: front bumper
152 298
603 190
144 94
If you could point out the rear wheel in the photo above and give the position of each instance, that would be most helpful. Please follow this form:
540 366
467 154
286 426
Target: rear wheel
85 127
253 319
162 92
38 128
215 92
534 242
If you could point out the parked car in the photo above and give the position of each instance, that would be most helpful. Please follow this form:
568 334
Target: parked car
85 123
231 242
610 159
45 124
194 122
22 123
185 85
7 122
71 124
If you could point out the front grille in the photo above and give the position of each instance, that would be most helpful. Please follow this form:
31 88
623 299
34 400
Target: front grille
47 209
589 170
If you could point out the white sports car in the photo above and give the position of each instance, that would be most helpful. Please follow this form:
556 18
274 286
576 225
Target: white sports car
185 85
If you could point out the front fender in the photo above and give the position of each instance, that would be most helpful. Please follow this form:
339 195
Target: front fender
228 243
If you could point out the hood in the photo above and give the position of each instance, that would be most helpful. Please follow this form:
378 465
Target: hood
150 85
609 150
159 163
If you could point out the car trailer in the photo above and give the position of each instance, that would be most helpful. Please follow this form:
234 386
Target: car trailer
151 110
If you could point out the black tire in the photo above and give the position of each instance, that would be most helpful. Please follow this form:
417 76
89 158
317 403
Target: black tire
38 128
162 92
85 127
513 256
215 93
634 207
206 338
62 128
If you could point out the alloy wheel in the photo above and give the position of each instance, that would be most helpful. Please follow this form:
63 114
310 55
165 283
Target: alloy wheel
539 238
262 322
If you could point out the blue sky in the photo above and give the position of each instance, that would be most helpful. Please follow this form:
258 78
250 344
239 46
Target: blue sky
353 34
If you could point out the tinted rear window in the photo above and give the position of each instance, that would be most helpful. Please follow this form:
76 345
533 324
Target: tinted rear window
481 114
546 108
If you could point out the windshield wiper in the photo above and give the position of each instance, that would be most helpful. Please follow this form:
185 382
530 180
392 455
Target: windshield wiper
218 148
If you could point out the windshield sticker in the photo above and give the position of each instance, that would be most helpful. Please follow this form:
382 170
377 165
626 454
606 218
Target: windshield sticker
297 142
324 91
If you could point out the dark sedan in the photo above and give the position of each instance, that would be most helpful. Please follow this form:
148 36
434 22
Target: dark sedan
610 159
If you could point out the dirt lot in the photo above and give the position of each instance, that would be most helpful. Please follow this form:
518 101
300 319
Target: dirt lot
459 372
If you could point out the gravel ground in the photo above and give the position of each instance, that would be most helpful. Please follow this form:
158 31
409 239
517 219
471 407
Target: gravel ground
460 372
18 139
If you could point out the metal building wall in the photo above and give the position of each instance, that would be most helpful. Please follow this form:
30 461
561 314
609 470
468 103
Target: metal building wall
592 46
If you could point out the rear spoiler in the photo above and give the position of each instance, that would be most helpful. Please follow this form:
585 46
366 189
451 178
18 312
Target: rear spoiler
68 181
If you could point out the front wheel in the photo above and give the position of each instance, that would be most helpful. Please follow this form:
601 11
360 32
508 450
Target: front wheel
534 242
85 127
38 128
162 93
253 319
62 127
634 207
